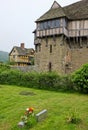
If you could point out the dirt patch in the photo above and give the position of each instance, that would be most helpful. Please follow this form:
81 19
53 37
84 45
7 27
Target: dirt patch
27 93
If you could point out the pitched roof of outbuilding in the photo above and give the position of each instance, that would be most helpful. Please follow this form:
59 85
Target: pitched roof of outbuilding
23 51
78 10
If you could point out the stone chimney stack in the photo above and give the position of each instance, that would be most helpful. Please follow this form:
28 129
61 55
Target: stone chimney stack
22 45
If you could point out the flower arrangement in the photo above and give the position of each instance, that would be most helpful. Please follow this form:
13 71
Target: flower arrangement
27 115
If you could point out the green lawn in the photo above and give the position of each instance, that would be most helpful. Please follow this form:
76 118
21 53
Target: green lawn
59 106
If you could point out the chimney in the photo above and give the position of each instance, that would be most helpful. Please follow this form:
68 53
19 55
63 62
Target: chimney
22 45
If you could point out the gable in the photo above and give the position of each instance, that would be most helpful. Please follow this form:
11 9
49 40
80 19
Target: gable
55 5
13 51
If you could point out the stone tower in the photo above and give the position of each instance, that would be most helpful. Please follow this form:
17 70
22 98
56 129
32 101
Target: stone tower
61 38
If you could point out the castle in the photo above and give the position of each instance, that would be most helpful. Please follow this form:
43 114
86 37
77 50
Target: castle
61 38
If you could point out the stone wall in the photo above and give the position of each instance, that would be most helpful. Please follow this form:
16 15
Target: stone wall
32 68
79 57
55 57
63 58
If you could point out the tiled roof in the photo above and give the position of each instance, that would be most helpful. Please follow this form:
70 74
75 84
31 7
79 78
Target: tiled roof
78 10
52 14
23 51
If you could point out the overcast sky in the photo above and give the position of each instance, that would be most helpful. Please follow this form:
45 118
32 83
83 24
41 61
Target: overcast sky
17 20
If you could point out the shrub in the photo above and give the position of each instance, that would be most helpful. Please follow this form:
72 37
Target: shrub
10 77
66 83
73 117
80 79
29 80
50 81
4 67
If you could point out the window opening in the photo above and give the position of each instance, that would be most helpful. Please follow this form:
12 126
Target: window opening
50 48
50 66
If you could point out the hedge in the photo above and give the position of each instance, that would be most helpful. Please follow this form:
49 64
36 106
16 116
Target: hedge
78 81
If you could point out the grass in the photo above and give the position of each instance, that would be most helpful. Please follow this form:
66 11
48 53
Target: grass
14 100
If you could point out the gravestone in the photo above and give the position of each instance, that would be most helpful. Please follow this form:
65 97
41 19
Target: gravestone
41 115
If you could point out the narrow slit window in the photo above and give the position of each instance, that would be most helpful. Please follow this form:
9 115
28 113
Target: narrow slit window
50 48
50 66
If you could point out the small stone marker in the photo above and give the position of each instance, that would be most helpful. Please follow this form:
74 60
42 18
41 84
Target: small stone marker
41 115
21 124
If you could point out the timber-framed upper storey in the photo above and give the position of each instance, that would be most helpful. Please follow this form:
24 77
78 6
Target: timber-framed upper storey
72 20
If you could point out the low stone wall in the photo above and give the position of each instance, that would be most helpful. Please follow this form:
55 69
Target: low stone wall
31 68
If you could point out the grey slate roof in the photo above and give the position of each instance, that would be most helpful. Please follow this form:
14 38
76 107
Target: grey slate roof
78 10
22 52
52 14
